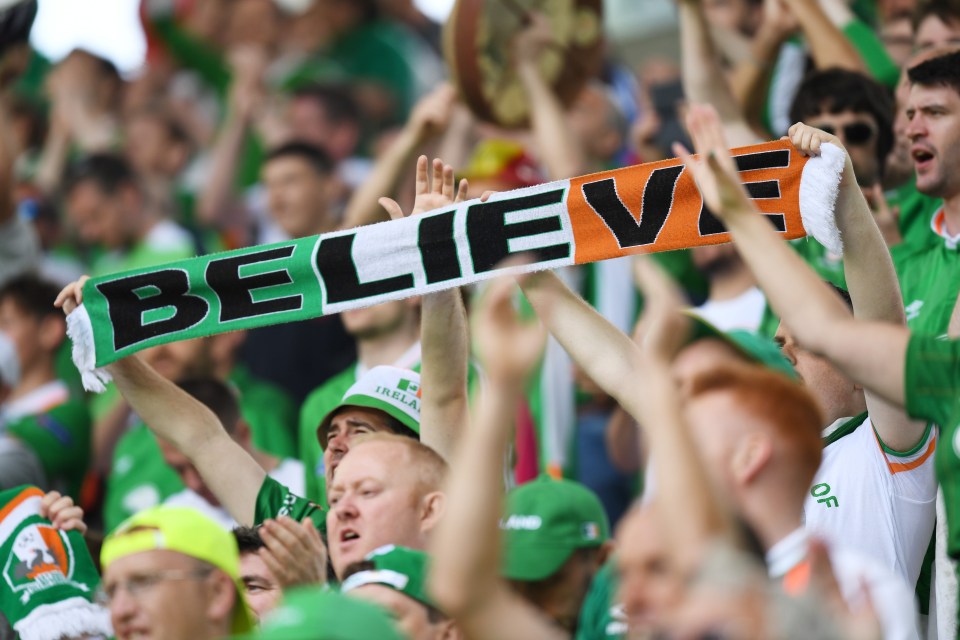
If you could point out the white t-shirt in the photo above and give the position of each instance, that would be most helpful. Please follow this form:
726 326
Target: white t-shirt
891 597
881 503
743 312
289 473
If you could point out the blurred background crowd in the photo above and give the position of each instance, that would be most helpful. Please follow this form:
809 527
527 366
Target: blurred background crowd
246 122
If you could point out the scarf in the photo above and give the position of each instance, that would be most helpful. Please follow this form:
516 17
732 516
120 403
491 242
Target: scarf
645 208
49 579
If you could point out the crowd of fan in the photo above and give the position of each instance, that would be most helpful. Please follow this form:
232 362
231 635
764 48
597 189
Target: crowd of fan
747 441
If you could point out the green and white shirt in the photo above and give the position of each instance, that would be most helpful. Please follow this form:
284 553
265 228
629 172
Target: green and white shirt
275 500
871 498
932 391
929 276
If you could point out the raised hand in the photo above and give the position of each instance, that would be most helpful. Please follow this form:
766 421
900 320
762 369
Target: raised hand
431 193
508 348
664 327
294 552
71 296
62 512
714 170
433 112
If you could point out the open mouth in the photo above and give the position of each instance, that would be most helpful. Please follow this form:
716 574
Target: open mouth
348 535
921 156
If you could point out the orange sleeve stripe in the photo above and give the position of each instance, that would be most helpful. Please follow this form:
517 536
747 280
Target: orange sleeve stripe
897 467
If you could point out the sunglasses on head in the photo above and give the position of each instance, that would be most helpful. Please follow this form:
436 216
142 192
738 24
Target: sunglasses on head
854 133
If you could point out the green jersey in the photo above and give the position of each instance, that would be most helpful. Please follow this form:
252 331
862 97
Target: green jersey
139 477
932 391
269 411
60 438
275 500
915 212
165 242
929 281
600 616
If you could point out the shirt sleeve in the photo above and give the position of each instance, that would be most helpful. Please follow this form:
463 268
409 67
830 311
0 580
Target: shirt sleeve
932 379
276 500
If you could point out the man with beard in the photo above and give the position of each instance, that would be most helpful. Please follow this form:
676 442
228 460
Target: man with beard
930 272
386 334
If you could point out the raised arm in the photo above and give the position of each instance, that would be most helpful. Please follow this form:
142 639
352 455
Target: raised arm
557 146
828 46
703 78
176 416
243 99
871 281
429 118
443 325
870 353
464 577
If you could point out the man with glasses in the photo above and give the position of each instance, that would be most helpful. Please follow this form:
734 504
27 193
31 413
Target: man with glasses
860 113
171 573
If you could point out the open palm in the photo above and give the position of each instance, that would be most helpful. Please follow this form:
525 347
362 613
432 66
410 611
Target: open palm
434 189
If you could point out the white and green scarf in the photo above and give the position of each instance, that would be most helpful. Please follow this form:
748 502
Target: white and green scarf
641 209
49 579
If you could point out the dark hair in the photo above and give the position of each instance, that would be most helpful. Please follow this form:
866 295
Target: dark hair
946 10
942 71
337 101
316 157
110 172
836 90
216 396
248 539
33 295
434 615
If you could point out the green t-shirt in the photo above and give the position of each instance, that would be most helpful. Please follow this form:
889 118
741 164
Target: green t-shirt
932 392
269 411
139 478
929 282
600 617
916 210
166 242
317 405
60 438
275 500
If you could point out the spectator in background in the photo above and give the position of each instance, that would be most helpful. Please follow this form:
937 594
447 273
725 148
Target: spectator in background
223 401
395 578
42 415
936 24
107 205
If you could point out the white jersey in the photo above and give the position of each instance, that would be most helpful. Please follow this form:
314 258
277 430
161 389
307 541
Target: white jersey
889 594
289 473
879 502
743 312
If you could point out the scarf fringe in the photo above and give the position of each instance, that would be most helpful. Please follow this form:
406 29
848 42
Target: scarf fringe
80 332
73 617
818 196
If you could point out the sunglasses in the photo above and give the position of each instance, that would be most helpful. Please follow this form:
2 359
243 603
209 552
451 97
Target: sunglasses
855 133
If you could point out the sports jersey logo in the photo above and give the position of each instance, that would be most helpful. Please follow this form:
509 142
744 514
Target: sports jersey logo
525 523
41 558
913 310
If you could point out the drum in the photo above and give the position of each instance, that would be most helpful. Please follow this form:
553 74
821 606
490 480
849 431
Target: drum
477 39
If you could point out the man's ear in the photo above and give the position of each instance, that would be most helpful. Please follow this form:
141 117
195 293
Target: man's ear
223 597
432 507
751 457
450 631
